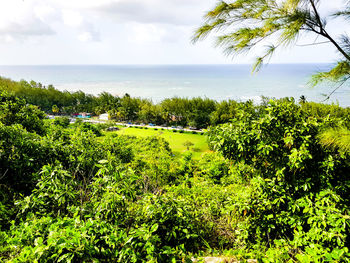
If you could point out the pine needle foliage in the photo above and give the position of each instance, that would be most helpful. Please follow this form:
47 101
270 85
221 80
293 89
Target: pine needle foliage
336 138
245 24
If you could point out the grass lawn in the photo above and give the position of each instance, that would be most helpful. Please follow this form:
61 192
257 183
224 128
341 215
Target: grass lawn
175 139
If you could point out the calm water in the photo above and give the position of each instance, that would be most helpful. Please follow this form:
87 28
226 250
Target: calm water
157 82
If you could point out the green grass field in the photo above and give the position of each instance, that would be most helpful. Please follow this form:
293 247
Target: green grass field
176 140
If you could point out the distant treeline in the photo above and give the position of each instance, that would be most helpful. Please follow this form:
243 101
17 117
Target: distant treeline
196 112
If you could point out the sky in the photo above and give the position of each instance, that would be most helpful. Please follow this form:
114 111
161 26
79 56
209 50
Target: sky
56 32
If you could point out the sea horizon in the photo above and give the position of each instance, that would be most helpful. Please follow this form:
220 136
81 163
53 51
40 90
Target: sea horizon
167 64
159 81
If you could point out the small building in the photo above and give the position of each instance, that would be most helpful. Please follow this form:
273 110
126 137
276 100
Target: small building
104 117
84 115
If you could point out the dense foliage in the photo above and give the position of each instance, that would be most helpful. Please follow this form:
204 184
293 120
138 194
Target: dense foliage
195 112
271 191
301 199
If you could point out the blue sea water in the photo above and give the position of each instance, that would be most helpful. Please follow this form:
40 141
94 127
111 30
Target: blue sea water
157 82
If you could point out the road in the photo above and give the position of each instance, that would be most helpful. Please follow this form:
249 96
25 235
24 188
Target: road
130 125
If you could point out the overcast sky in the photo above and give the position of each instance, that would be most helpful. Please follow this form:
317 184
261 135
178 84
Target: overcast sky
123 32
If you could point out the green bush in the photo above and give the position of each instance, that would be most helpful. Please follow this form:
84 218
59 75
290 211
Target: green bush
14 110
21 155
85 127
270 192
61 121
281 144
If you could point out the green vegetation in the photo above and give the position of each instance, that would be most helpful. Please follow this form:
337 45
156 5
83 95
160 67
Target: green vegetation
274 187
300 207
195 112
269 190
176 140
247 24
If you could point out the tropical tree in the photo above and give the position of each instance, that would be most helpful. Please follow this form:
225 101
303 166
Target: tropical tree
188 144
14 110
245 24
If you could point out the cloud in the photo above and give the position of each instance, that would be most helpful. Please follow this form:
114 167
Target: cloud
72 18
151 33
88 33
46 12
79 4
152 11
146 33
20 20
85 37
175 12
29 27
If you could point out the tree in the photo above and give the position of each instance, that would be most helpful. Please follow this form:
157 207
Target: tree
55 109
188 144
14 110
246 24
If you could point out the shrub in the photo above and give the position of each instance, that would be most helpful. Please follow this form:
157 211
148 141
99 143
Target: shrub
85 126
62 121
14 110
291 165
22 154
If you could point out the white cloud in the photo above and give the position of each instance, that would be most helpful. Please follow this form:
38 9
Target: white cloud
85 37
143 33
88 33
72 18
154 30
7 39
45 12
19 19
27 18
85 31
79 4
177 12
29 27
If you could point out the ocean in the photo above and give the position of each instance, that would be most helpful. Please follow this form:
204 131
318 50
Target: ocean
219 82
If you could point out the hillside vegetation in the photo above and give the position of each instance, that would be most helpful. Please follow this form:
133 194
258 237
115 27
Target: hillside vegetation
268 190
196 112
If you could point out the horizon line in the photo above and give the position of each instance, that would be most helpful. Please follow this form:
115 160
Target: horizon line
165 64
